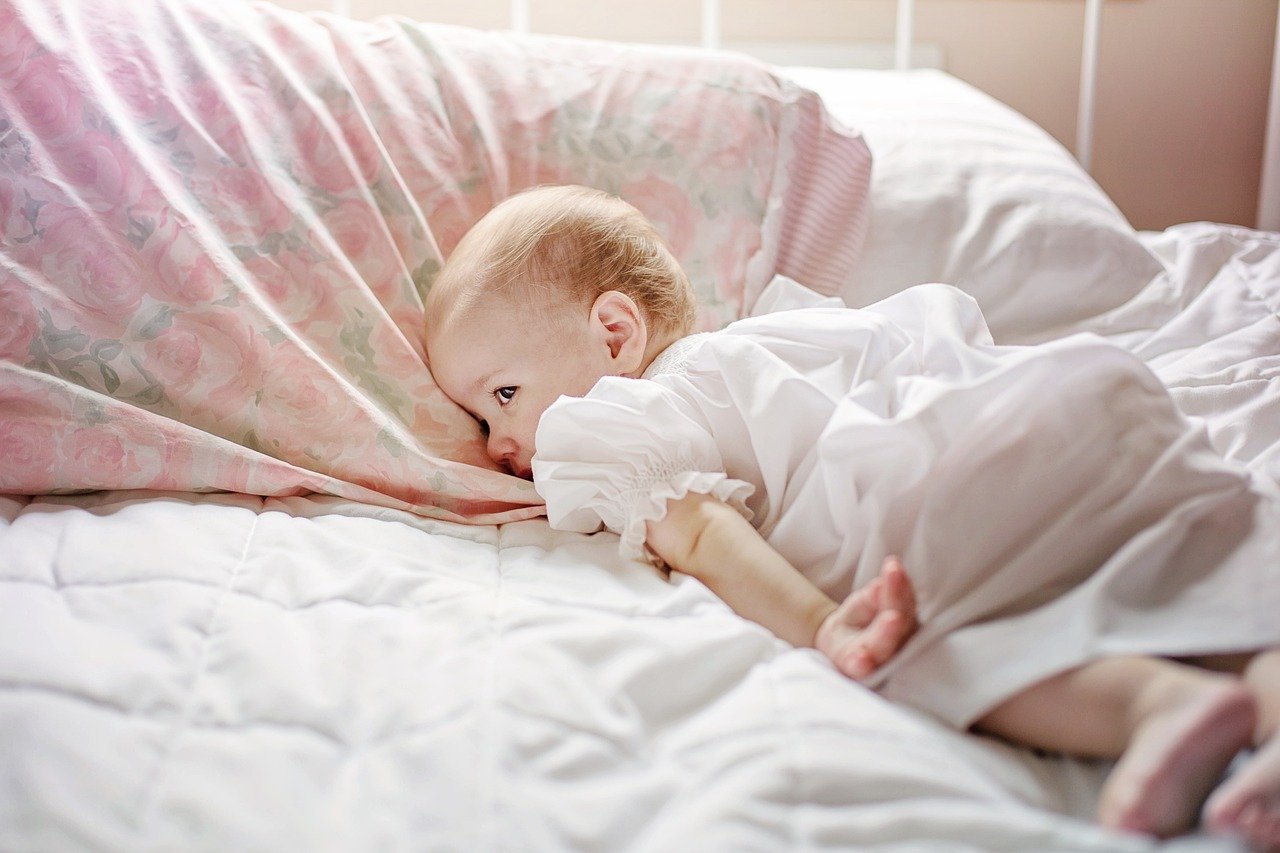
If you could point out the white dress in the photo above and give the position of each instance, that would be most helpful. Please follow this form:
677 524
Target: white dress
1050 503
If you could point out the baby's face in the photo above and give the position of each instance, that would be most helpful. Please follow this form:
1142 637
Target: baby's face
505 366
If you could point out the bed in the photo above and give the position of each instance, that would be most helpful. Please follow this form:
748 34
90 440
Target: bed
261 589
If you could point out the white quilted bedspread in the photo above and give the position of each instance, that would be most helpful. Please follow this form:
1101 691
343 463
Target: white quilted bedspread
226 673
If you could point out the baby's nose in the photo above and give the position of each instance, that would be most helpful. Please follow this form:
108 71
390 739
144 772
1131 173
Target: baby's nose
502 449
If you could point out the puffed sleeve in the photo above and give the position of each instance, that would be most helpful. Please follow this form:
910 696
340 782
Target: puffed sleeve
616 456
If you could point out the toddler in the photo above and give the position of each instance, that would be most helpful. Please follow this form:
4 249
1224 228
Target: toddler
1089 576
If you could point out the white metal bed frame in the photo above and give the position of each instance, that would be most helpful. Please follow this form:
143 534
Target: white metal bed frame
1268 190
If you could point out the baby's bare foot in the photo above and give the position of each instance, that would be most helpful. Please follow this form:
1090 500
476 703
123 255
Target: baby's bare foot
1176 756
1248 804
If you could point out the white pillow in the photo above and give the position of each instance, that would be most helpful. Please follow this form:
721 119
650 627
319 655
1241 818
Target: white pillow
969 192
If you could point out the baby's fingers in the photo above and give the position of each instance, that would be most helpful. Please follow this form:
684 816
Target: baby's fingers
862 605
898 593
878 643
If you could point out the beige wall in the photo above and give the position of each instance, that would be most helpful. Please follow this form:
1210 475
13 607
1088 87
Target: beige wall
1182 97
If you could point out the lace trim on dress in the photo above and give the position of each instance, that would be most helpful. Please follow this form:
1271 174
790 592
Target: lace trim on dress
645 498
675 358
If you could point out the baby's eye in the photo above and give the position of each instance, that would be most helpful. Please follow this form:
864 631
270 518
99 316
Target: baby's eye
505 394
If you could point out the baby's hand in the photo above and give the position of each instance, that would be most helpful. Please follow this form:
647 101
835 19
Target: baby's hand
871 625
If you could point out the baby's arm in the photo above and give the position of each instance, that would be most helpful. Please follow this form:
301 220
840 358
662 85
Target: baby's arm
708 539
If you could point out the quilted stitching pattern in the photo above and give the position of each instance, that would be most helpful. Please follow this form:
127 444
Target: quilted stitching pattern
218 672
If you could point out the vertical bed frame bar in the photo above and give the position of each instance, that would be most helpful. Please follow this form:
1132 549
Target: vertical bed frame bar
903 35
520 16
1088 83
711 24
1269 188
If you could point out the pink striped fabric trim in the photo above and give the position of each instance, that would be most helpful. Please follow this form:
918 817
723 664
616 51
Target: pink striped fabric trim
825 207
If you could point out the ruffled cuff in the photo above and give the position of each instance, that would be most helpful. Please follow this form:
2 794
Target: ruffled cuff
646 500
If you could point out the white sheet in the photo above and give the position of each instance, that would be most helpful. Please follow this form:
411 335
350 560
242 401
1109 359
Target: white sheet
1210 328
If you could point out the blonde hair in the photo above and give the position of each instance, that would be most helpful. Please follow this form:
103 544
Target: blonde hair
569 243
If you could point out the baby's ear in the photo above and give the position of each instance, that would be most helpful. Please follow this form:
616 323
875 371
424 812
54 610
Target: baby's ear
620 324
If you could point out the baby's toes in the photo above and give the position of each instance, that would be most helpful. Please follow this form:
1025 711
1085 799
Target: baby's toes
1260 827
1269 838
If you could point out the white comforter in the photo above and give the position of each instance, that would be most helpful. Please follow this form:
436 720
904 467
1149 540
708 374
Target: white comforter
219 672
1210 328
224 673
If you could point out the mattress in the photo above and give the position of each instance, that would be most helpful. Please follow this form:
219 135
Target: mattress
226 671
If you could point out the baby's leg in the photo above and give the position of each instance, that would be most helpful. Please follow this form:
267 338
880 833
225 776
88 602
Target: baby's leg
1249 802
1174 729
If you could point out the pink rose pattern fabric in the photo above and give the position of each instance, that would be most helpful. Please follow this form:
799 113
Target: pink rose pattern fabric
218 222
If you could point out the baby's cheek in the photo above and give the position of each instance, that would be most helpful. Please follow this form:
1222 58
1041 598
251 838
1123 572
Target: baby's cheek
528 434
